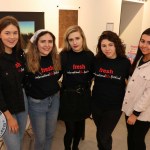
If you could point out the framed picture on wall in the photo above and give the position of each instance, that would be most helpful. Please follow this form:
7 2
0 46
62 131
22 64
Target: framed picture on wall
29 22
110 26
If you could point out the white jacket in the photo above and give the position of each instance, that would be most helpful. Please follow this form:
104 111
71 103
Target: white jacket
137 95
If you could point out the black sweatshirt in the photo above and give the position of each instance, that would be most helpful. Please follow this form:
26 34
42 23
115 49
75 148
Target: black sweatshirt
44 83
109 87
76 68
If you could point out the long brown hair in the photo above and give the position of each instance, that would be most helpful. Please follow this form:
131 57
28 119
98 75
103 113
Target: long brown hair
4 22
33 56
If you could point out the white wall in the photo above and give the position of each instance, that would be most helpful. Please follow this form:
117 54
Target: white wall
134 20
93 14
131 23
146 16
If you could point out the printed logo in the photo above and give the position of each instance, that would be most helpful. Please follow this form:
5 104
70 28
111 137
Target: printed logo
3 124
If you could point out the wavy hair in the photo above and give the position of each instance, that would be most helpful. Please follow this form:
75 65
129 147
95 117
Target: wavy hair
113 37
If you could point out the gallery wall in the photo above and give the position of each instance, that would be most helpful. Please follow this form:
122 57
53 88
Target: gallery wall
131 26
93 14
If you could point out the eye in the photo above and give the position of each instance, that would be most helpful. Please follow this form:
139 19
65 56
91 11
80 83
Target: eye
142 41
70 40
50 41
16 33
7 33
77 38
103 45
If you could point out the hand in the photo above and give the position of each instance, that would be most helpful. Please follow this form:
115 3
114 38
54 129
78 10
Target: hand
12 122
131 119
13 125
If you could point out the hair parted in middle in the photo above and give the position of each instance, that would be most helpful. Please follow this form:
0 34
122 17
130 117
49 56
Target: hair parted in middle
72 29
113 37
6 21
33 56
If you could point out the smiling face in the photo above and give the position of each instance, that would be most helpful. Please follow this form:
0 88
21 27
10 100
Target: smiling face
76 41
9 37
144 45
45 44
108 49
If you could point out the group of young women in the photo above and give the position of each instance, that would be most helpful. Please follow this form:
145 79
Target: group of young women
29 85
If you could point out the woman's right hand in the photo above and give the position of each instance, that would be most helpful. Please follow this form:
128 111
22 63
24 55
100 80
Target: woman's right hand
12 122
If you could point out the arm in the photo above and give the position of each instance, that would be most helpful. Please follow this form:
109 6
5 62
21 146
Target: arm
11 121
141 105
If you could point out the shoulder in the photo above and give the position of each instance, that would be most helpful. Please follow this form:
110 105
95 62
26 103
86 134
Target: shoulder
89 52
125 60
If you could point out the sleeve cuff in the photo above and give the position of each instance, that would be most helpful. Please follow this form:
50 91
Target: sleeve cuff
136 113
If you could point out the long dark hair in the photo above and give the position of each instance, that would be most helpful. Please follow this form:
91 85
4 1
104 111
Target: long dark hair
113 37
139 54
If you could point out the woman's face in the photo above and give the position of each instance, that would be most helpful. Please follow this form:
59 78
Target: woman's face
144 44
108 49
45 44
9 37
76 41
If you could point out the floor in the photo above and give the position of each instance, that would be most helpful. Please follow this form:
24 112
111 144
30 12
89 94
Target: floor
89 143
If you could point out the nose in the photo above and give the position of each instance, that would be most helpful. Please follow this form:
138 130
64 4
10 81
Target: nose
107 48
74 41
47 44
12 35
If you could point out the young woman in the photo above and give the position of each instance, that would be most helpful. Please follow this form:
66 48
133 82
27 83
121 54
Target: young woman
76 61
13 102
111 70
136 103
43 89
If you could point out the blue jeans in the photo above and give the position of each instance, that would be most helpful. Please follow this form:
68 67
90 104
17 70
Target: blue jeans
43 116
14 141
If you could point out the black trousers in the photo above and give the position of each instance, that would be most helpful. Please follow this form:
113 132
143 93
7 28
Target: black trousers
136 135
74 131
105 121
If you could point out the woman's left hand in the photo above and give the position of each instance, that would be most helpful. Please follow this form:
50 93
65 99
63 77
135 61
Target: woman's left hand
132 119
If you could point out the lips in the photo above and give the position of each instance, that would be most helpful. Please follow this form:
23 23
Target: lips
75 47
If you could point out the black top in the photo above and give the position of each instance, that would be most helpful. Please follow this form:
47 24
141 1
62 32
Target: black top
109 87
76 68
11 78
44 83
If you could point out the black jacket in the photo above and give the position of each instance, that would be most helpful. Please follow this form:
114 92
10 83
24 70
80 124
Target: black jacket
11 77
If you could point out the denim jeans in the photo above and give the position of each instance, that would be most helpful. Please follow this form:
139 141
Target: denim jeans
14 141
43 116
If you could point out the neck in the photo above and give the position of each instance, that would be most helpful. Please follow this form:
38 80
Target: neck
8 51
146 58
